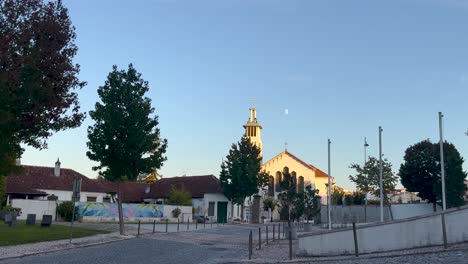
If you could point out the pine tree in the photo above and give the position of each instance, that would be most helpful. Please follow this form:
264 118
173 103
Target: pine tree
125 139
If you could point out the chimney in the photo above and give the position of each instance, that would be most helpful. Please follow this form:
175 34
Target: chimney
57 168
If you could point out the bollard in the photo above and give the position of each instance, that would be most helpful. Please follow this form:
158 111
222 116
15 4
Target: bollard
178 221
283 231
167 220
356 249
290 244
273 232
154 225
259 238
188 224
211 221
138 228
267 235
196 224
250 245
204 223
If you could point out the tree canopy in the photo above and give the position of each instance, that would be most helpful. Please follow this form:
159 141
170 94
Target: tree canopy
367 178
37 76
179 197
125 139
241 175
421 173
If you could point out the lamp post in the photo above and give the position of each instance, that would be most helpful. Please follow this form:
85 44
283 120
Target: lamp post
442 167
380 174
365 161
329 189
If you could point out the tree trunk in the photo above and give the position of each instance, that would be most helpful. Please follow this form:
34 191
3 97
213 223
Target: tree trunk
119 205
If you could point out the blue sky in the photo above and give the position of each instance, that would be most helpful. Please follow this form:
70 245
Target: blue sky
341 68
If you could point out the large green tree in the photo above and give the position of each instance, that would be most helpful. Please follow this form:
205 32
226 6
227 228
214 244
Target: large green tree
125 138
37 76
421 173
241 174
367 178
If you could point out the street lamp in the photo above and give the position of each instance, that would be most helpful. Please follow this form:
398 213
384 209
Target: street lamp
380 174
442 167
329 189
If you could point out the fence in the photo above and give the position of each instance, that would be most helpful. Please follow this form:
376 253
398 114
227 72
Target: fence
434 229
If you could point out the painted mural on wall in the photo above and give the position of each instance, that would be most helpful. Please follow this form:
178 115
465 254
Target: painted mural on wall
129 210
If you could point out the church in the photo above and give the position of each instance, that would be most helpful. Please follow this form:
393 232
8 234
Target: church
302 173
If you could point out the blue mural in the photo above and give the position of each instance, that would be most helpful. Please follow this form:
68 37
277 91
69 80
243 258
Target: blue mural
129 210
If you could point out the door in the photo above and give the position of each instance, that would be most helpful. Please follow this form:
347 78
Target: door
222 212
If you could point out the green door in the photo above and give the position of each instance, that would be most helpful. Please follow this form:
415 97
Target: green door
222 212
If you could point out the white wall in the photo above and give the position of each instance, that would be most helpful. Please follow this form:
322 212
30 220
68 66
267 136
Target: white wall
402 211
396 235
186 212
67 195
214 197
37 207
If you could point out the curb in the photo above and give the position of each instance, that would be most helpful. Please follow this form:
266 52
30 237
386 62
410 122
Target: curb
67 247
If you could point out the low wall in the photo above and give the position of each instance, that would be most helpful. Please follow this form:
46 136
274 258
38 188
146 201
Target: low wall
37 207
186 213
98 212
396 235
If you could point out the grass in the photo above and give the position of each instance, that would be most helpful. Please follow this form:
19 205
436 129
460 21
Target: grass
22 233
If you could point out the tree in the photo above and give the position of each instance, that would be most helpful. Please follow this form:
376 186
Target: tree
125 139
179 197
291 202
312 203
420 172
241 175
37 76
359 197
269 204
337 195
367 178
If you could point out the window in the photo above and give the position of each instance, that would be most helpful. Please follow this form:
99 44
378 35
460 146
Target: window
301 184
294 179
106 200
271 186
91 199
211 207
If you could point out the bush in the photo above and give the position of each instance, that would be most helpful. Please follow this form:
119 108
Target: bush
179 197
9 208
176 212
65 210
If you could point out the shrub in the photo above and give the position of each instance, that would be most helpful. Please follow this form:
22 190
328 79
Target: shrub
179 197
176 212
65 210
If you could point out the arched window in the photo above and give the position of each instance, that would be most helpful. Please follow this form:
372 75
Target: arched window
278 181
285 170
300 186
271 186
294 179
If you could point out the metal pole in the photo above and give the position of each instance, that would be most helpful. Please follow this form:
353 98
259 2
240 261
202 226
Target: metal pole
380 174
444 230
250 245
290 244
356 248
365 161
259 238
73 218
329 189
442 165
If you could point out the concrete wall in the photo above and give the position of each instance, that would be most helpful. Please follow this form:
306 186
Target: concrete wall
186 213
37 207
396 235
355 213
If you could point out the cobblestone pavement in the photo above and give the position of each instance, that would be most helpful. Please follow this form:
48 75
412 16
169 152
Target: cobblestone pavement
228 244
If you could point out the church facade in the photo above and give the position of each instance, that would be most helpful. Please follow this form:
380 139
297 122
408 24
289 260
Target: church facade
302 173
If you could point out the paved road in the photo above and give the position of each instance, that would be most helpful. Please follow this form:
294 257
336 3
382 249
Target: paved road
141 250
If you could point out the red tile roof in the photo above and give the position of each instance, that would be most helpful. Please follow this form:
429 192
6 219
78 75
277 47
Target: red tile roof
196 185
31 179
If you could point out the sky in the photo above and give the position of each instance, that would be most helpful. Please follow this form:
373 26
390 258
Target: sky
313 70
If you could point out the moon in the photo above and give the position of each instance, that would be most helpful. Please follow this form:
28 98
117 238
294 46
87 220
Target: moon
286 111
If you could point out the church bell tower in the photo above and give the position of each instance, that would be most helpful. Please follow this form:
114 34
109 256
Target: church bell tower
253 130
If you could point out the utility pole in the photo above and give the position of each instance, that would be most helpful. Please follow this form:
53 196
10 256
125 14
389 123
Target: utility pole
442 167
380 174
329 189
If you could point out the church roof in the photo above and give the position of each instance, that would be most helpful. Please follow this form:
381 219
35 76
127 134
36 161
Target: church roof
318 172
